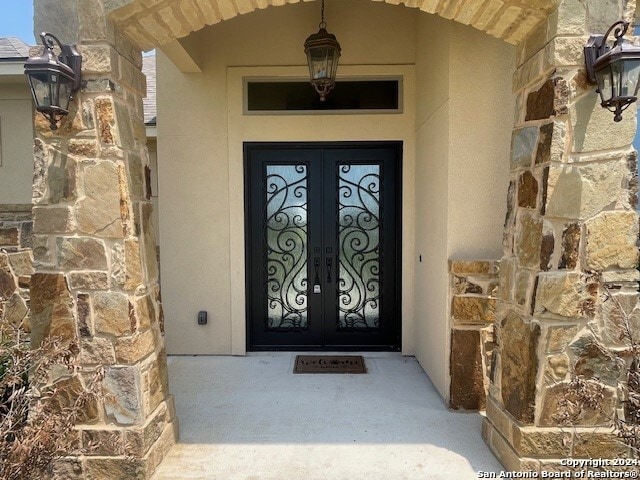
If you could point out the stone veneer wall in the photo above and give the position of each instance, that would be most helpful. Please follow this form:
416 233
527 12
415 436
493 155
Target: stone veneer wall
473 285
571 227
95 258
16 262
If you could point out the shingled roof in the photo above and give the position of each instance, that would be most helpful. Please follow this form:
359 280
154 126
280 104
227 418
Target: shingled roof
13 48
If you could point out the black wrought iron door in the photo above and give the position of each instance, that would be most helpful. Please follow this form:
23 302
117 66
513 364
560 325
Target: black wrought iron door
323 246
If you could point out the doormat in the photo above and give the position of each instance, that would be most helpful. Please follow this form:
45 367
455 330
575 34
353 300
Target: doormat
329 364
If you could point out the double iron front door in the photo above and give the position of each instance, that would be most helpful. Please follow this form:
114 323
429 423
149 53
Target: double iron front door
323 246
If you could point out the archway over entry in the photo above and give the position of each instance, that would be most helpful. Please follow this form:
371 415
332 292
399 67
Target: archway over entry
570 184
156 23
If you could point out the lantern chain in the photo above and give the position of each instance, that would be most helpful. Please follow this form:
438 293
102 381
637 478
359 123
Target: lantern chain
323 24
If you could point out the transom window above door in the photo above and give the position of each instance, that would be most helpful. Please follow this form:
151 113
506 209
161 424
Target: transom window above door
277 96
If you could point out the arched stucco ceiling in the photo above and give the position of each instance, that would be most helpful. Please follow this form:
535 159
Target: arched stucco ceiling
153 23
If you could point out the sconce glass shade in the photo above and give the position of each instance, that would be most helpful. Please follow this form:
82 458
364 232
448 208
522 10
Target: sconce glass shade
53 79
323 51
617 74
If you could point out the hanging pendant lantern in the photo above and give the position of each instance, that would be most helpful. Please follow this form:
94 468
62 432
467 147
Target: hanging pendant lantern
323 51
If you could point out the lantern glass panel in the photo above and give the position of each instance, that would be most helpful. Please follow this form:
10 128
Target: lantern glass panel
65 90
631 75
41 88
320 60
605 83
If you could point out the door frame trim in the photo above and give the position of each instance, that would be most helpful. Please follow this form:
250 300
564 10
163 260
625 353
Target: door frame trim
399 145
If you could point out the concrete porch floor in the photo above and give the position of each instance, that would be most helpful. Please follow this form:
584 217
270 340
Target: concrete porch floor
251 418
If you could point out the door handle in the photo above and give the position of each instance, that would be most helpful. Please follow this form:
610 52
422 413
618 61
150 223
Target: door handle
329 263
316 280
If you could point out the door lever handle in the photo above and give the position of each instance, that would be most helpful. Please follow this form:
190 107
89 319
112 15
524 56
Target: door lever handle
329 263
316 266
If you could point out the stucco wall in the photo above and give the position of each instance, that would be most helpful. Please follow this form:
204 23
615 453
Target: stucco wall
16 134
193 158
200 134
463 128
432 208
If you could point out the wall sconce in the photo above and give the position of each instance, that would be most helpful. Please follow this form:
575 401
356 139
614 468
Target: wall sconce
323 52
615 70
53 79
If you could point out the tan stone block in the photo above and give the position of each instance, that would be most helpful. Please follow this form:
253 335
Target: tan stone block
519 344
591 444
552 410
193 16
78 253
528 73
111 311
67 469
506 455
507 278
571 17
145 311
557 367
559 337
51 308
611 241
523 286
467 389
156 383
130 350
105 117
117 467
88 280
98 213
505 22
67 392
84 148
133 263
528 240
465 15
97 351
97 58
492 7
52 220
103 442
469 267
149 239
161 447
152 27
21 262
501 420
9 236
568 51
209 13
473 310
564 294
593 128
581 191
174 21
15 310
537 442
123 401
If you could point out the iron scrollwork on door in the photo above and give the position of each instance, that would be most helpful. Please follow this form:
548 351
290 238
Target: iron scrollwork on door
286 242
359 246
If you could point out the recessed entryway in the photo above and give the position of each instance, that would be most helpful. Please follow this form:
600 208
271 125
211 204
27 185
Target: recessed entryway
323 245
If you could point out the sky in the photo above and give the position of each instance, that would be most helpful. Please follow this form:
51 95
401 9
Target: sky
16 20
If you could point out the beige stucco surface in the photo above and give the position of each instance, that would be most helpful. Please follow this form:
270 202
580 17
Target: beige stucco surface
462 169
16 138
455 165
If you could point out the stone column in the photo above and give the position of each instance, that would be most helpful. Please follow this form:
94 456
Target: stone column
96 269
571 227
